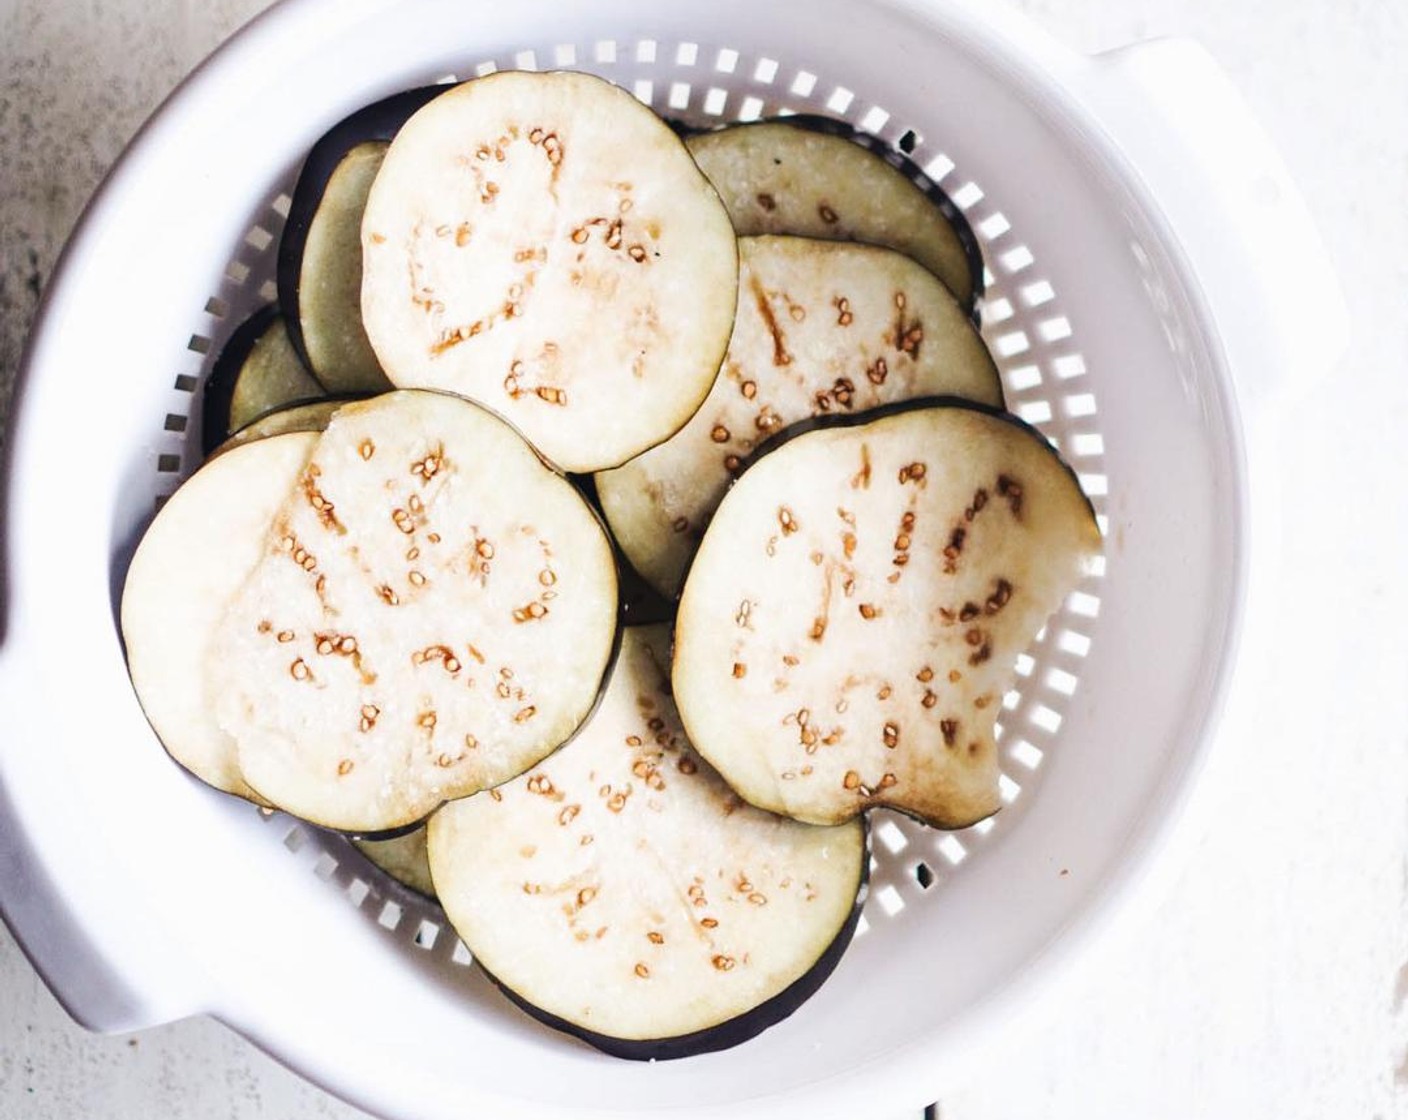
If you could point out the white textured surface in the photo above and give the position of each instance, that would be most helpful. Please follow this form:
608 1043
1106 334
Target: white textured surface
1271 981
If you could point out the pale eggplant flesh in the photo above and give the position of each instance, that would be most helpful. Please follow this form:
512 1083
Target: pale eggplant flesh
822 328
418 626
543 244
206 540
621 892
816 177
852 619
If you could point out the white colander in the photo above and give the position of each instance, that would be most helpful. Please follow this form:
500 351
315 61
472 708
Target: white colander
1154 279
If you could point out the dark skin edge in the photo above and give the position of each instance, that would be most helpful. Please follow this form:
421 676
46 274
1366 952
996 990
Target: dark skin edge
380 120
219 388
733 1031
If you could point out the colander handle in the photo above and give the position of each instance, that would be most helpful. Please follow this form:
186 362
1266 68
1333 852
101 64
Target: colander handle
1237 212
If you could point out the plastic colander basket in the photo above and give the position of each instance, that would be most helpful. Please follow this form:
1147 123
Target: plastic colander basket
1153 280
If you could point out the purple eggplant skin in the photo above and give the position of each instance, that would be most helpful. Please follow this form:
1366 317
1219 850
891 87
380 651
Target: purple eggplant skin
219 386
899 159
380 120
731 1032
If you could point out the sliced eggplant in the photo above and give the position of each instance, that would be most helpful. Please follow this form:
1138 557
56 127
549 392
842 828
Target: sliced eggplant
822 327
320 252
257 371
433 613
788 177
203 545
543 244
403 858
330 279
622 892
310 417
852 619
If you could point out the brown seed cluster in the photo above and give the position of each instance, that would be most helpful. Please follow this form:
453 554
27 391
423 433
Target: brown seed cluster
954 549
428 467
977 505
902 543
767 420
325 509
1000 597
300 555
532 612
1011 490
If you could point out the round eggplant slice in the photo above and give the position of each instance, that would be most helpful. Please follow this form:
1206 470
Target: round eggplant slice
310 417
403 858
330 278
272 377
543 244
852 619
320 252
433 612
822 328
622 892
194 557
780 177
257 372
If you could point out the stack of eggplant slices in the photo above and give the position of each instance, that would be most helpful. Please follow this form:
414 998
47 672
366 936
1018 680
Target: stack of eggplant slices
612 514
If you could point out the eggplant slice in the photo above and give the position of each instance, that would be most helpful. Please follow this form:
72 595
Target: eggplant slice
310 417
852 619
194 557
543 244
622 892
403 858
320 252
433 613
257 371
822 327
330 279
784 177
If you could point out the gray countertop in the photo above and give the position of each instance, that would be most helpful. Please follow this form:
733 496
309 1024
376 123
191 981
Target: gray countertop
1271 981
